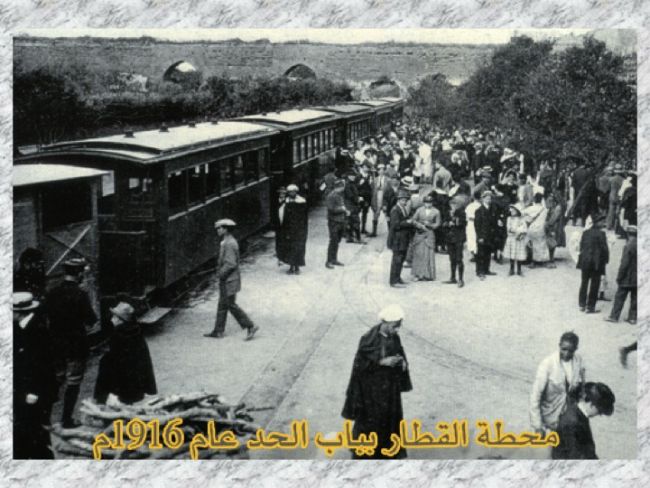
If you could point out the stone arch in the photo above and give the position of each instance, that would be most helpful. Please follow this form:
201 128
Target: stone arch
174 69
300 71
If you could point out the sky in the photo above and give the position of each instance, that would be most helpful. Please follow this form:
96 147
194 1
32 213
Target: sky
338 36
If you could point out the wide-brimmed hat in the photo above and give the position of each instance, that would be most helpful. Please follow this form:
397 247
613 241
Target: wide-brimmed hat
292 188
487 193
391 313
23 301
414 187
224 223
403 194
340 182
407 181
123 311
631 229
516 208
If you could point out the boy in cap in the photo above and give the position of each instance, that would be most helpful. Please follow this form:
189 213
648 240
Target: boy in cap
229 283
380 374
70 313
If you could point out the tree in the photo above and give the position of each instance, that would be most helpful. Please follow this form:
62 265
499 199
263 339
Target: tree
434 97
577 103
46 108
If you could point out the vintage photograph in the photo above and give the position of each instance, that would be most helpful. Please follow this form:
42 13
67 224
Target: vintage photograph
325 244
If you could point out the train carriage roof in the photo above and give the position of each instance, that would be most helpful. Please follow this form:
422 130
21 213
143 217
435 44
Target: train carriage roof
152 145
34 174
374 103
392 99
290 118
348 109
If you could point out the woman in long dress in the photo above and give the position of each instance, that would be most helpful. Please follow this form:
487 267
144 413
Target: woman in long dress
536 218
425 220
470 212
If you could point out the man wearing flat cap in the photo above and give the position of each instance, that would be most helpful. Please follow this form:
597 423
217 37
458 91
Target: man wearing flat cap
70 313
229 283
35 386
380 374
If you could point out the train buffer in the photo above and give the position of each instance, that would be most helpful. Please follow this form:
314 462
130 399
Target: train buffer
153 315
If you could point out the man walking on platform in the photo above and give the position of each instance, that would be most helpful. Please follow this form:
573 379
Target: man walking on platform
626 280
336 222
229 283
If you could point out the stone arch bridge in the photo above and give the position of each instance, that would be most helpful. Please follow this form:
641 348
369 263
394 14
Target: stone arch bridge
359 64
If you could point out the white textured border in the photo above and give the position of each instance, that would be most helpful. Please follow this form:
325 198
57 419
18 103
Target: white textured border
66 14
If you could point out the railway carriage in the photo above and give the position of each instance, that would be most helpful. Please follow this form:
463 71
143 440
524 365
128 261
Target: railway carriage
299 150
162 193
397 108
355 122
383 114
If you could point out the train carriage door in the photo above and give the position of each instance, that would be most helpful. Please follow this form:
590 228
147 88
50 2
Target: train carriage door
69 229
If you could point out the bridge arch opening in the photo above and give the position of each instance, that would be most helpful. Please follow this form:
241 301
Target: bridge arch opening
301 71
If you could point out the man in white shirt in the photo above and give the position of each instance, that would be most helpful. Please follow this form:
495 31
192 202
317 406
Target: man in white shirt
558 380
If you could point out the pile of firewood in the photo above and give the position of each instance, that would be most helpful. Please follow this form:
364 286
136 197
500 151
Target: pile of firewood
196 410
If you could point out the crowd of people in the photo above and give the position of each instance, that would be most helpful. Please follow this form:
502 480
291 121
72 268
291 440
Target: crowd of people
439 191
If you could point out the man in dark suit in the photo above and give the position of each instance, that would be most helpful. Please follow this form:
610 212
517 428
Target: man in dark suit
594 256
399 236
70 313
485 225
35 386
229 283
626 279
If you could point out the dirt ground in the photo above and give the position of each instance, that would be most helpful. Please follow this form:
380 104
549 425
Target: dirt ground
472 352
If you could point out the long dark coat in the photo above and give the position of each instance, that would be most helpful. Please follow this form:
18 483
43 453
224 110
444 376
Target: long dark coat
576 440
594 253
126 369
399 231
292 233
373 398
485 223
33 373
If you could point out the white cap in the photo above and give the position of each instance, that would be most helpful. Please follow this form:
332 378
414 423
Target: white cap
224 223
391 313
292 188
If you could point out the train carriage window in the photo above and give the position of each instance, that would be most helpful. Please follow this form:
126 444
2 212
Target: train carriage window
317 146
211 179
225 174
106 203
238 170
296 151
331 138
321 135
263 160
195 185
309 147
66 203
250 166
177 190
303 149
